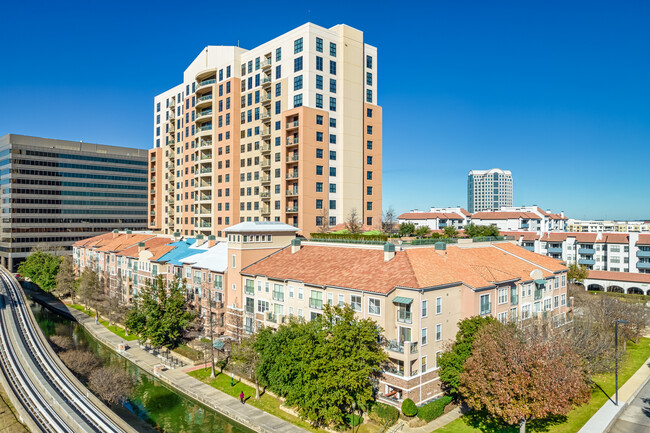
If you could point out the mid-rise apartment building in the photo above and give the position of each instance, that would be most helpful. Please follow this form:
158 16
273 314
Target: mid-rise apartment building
56 192
289 131
263 275
489 190
594 226
437 218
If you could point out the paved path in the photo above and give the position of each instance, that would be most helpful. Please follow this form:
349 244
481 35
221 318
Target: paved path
636 416
441 421
246 415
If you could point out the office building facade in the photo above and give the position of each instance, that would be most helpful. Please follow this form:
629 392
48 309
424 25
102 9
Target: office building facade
56 192
289 131
489 190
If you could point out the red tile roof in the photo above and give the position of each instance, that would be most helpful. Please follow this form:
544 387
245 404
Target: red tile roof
94 241
505 215
632 277
365 268
430 215
616 238
124 241
154 245
643 240
527 236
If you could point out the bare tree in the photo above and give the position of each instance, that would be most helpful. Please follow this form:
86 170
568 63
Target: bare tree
61 343
325 217
65 278
388 222
111 384
352 222
80 361
246 360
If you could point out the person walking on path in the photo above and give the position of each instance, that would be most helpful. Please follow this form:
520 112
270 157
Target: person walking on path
241 397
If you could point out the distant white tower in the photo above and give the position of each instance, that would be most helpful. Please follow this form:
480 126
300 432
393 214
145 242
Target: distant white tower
489 190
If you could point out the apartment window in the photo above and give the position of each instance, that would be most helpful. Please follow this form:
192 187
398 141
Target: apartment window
319 82
332 104
278 54
319 186
333 188
333 171
319 153
332 139
369 145
278 108
369 160
234 261
319 63
297 100
319 136
425 308
423 339
486 307
297 64
332 67
369 175
319 204
319 45
332 49
369 129
332 85
332 155
368 62
368 112
278 72
369 78
297 46
319 102
278 89
369 95
374 306
355 300
319 119
297 82
319 169
332 204
341 300
439 305
503 295
368 190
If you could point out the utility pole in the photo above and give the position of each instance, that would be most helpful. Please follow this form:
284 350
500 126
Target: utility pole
212 375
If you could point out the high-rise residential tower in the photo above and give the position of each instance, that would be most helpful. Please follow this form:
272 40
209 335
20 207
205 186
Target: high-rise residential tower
56 192
288 131
489 190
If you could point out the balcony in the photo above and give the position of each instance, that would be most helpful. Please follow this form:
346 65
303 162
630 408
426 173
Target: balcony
292 209
204 101
205 143
524 225
265 195
266 210
203 115
404 316
292 192
265 98
265 148
265 164
538 294
266 115
206 170
587 262
266 179
266 63
316 303
486 308
395 346
206 156
587 251
205 83
643 254
266 81
529 248
265 132
292 158
293 125
643 265
555 250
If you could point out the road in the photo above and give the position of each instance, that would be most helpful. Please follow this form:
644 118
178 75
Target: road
636 416
54 403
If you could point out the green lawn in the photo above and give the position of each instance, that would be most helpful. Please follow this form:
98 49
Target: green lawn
117 330
635 356
266 402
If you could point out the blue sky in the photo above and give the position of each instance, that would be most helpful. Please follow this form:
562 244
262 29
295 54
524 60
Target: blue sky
556 91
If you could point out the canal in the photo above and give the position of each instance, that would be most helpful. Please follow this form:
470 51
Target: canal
153 403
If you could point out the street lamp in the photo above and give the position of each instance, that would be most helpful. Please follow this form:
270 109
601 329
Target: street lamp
616 354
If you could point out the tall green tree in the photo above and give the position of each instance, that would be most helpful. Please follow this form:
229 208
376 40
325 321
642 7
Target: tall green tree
89 287
422 231
41 268
473 230
323 366
406 229
451 362
65 278
160 313
450 232
577 273
246 359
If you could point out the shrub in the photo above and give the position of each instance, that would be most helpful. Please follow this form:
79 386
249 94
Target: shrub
349 236
409 408
383 413
433 410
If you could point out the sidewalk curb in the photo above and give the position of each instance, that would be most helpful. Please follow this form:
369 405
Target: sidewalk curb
631 398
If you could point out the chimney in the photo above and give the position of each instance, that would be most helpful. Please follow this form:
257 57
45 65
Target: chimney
177 236
295 245
389 251
116 233
128 233
212 240
140 247
199 240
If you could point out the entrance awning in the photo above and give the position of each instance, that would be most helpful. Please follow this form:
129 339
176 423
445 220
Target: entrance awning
218 344
402 300
540 282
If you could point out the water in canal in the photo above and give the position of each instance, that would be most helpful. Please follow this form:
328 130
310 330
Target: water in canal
163 409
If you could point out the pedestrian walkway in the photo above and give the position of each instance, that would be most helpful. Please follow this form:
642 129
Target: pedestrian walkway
602 420
441 421
220 402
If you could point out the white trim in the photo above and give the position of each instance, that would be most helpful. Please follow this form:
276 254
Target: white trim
374 314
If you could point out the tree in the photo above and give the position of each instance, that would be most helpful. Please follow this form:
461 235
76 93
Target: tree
388 221
65 278
246 360
451 361
409 408
517 380
80 362
160 313
89 286
472 230
352 222
325 220
61 343
422 231
322 366
41 268
450 232
406 229
577 273
111 384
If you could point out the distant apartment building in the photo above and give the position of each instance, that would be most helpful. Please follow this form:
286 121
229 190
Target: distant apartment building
289 131
263 276
437 218
56 192
489 190
594 226
612 252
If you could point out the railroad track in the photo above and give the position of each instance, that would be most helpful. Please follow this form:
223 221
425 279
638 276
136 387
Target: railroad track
40 405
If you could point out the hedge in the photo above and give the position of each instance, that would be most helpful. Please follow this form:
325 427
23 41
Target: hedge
349 236
433 410
409 408
383 413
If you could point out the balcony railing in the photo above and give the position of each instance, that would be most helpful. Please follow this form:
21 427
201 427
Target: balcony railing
293 175
204 128
643 265
278 296
588 262
265 194
292 209
555 250
265 98
265 179
404 316
587 251
265 148
643 254
205 98
395 346
292 192
266 81
265 115
265 63
206 82
292 140
292 158
293 124
316 303
265 164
